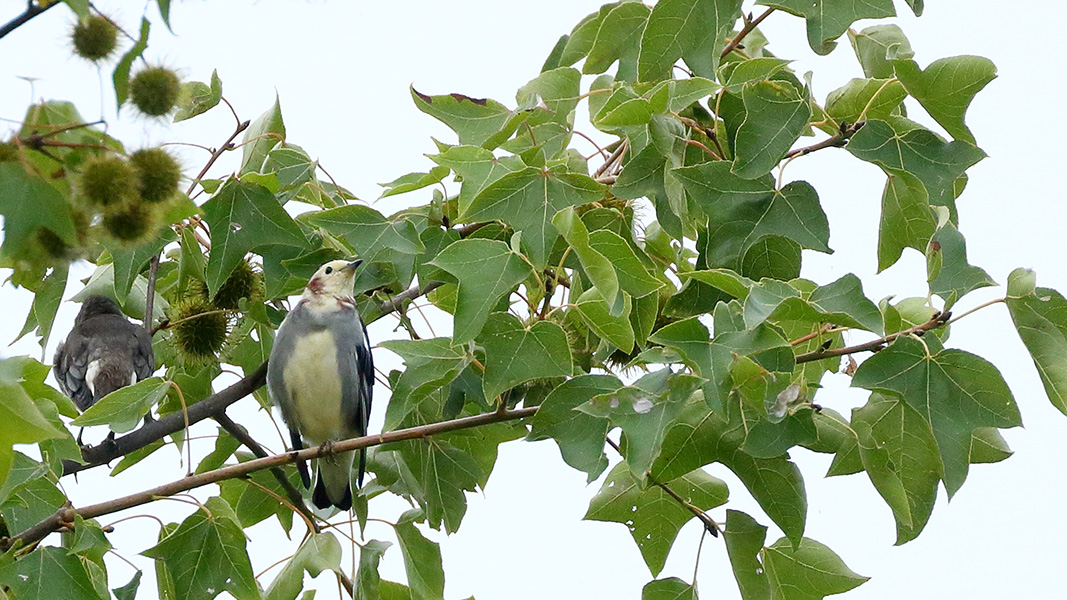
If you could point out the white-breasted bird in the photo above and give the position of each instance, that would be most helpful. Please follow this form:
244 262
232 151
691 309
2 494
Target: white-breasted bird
102 353
321 376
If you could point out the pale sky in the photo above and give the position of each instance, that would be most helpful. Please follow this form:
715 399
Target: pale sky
342 72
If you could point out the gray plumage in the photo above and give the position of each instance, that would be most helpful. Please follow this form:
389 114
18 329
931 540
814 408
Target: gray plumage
102 353
321 376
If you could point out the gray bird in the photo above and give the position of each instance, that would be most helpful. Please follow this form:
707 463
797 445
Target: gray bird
321 376
102 353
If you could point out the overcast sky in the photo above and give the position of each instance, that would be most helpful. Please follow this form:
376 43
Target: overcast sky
342 71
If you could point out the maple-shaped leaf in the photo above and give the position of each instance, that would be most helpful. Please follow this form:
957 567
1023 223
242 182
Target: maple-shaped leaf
243 217
828 19
956 392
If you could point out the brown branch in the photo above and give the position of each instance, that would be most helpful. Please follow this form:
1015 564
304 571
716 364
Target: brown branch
750 24
935 322
835 141
64 515
32 10
709 524
241 434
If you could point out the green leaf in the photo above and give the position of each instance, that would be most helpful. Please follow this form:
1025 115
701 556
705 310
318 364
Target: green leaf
414 181
197 98
49 572
631 269
954 391
734 75
580 436
644 411
828 19
28 204
906 220
516 354
618 38
862 99
1040 317
917 151
723 279
124 408
877 46
46 301
431 364
422 560
206 554
671 588
23 422
319 552
486 270
244 217
261 137
652 516
744 539
556 92
121 76
372 235
128 591
841 303
595 312
900 456
596 265
700 437
477 121
130 260
442 473
476 168
956 277
527 200
946 87
776 113
693 30
368 582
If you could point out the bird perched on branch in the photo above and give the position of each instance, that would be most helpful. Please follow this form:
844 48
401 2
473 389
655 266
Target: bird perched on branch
102 353
321 375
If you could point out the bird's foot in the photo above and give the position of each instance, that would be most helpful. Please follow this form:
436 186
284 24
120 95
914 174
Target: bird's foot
326 448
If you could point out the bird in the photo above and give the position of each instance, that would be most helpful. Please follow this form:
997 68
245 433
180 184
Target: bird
320 374
102 353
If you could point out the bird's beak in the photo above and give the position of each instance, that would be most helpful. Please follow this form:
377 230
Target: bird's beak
352 265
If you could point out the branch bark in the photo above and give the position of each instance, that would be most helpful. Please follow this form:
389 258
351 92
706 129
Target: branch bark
750 24
935 322
65 515
32 10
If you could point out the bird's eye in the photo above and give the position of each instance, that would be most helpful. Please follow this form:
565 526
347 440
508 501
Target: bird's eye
329 270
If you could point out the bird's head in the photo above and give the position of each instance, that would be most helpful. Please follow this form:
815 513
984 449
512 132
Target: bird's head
98 305
334 278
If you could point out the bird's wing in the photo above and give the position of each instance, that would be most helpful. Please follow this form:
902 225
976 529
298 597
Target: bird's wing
280 352
356 366
144 359
69 366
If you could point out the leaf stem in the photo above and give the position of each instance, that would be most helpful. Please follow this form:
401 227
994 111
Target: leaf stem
750 24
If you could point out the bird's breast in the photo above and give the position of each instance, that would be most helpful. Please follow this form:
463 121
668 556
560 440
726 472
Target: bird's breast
314 385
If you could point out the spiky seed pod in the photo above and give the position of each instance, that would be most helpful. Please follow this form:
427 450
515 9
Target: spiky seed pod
158 174
94 38
198 339
242 283
128 223
154 90
107 181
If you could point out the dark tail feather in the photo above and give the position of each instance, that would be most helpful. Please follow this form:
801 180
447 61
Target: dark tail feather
301 466
362 466
321 500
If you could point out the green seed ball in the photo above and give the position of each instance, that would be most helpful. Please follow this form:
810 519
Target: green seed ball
128 224
154 90
94 38
199 339
241 283
158 172
107 180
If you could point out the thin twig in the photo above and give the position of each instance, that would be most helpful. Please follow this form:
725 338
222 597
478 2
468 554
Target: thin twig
32 10
938 320
750 24
835 141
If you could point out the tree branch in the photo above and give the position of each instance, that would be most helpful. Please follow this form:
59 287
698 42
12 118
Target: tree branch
938 320
32 10
835 141
750 24
64 516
